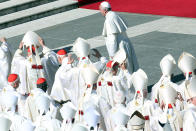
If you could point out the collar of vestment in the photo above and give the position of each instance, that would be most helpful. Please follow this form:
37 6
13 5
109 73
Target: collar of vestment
107 14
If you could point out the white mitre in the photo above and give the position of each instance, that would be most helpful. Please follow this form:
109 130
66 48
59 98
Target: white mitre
5 123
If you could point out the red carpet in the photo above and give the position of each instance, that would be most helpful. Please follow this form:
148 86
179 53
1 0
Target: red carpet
183 8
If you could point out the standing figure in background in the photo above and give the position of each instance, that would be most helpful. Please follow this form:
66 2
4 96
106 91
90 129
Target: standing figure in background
5 62
114 31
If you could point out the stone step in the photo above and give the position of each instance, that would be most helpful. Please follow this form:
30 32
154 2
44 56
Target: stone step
12 6
3 1
53 20
37 12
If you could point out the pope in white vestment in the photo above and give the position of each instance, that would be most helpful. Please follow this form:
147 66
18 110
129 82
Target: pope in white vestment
114 31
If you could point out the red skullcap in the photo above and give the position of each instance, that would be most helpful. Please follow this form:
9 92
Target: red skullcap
62 52
109 64
12 77
170 106
41 80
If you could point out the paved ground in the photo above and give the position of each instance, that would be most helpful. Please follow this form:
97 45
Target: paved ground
152 36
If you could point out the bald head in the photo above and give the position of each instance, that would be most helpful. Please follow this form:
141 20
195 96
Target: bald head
104 8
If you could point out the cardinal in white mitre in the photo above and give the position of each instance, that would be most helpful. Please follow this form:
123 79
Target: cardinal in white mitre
30 68
114 31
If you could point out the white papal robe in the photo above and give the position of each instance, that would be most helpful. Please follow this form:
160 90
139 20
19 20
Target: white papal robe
114 31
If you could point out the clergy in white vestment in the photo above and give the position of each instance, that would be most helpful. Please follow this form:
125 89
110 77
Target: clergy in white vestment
69 83
110 80
90 75
93 100
140 102
101 63
26 125
107 82
60 90
5 61
50 65
45 121
11 90
167 65
168 117
96 102
31 102
189 121
92 119
114 31
5 122
29 68
117 116
90 101
136 122
68 112
124 75
79 127
20 123
11 101
82 50
187 64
